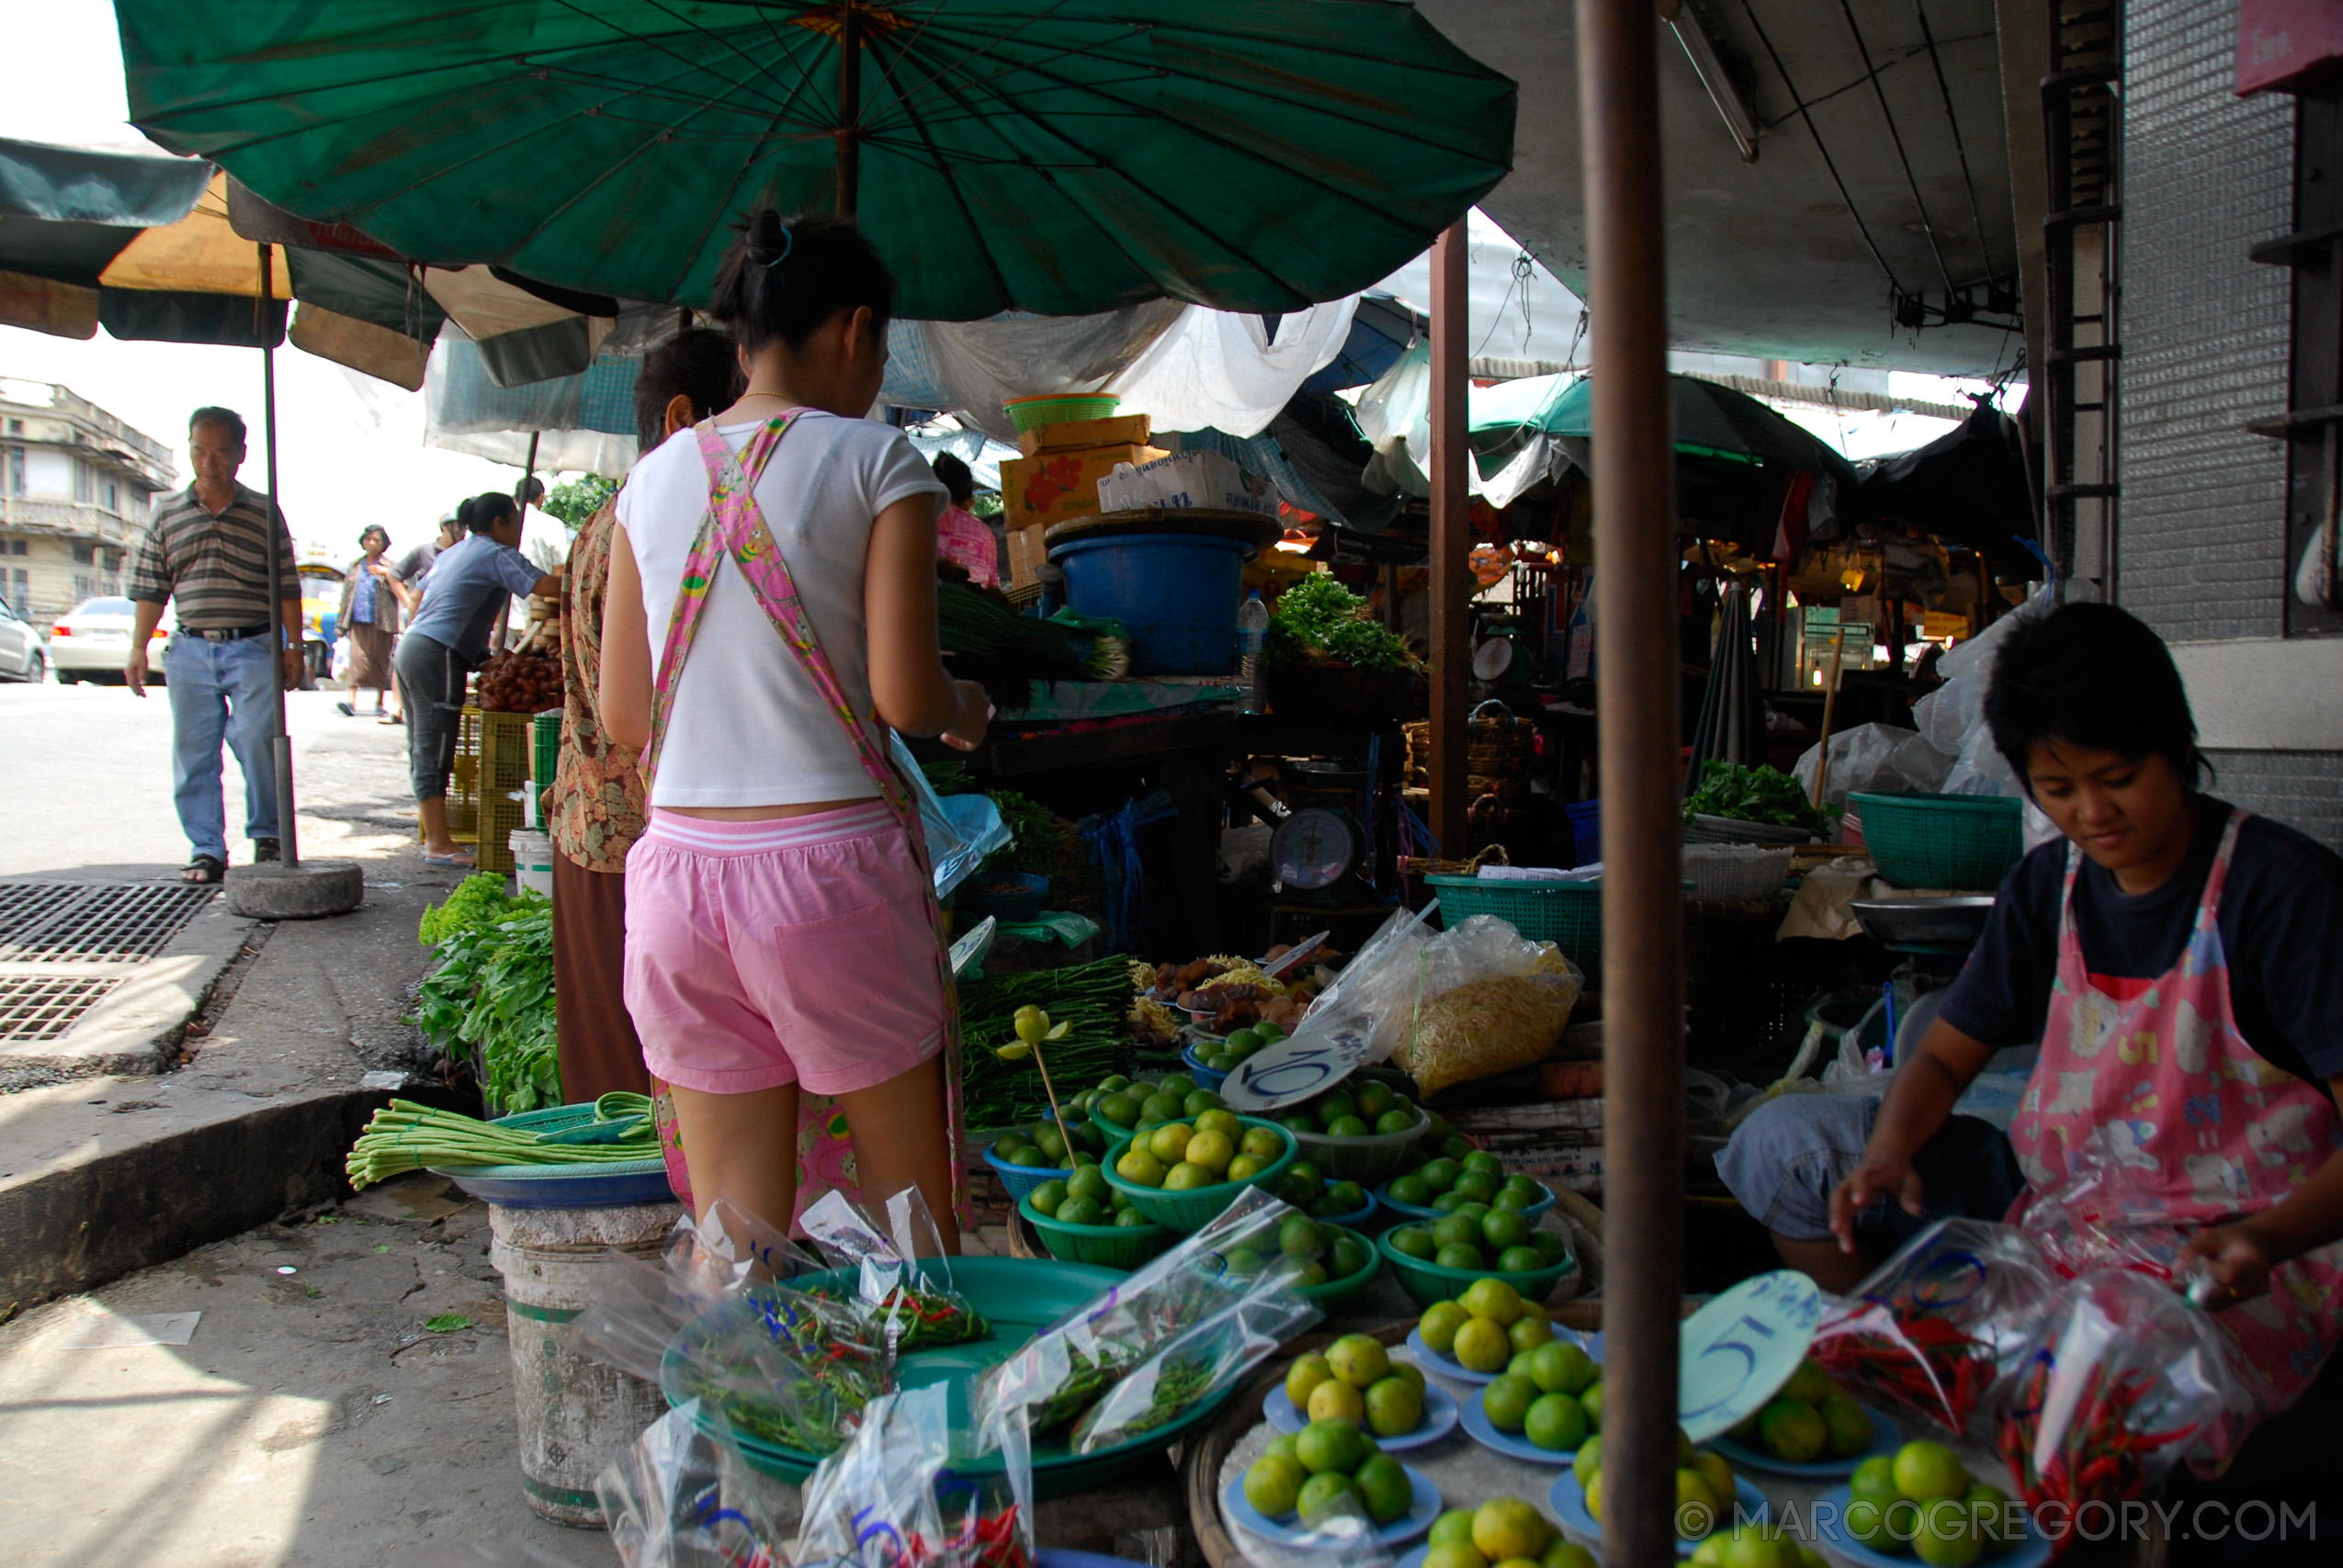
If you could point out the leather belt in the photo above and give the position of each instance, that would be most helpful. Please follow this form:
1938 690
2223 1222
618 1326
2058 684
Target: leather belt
224 634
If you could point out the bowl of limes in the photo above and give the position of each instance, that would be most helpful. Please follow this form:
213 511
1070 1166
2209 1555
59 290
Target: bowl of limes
1359 1131
1440 1186
1181 1173
1220 1054
1336 1263
1439 1259
1025 1157
1081 1219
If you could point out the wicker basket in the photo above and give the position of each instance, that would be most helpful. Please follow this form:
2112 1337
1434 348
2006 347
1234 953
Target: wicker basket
1500 752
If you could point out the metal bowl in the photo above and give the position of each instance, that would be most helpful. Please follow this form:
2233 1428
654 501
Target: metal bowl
1948 921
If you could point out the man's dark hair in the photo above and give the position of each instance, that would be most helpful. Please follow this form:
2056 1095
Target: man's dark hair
699 365
532 488
956 477
781 281
482 513
226 419
2092 675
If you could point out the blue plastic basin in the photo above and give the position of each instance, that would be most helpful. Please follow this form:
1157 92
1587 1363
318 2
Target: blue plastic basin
1176 594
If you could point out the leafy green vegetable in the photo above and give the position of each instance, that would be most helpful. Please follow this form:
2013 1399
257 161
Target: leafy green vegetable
574 501
447 1322
489 1002
1319 621
1762 794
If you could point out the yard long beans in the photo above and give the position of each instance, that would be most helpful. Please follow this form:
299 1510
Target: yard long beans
1089 997
405 1136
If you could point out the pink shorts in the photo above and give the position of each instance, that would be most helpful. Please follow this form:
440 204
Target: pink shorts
791 951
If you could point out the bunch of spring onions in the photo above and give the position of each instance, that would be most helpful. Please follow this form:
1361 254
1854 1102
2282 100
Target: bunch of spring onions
405 1136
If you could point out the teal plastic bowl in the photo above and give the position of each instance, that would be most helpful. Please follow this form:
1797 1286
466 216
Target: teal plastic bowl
1337 1293
1429 1282
1368 1160
1190 1212
1422 1212
1101 1247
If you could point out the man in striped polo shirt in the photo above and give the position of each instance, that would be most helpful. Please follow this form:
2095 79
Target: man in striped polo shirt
206 547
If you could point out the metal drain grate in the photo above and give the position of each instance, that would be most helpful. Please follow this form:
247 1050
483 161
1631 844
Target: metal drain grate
43 1008
92 922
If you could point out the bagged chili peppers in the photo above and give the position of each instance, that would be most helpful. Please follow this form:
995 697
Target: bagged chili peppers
2119 1380
902 1277
680 1498
1193 1365
887 1500
1933 1328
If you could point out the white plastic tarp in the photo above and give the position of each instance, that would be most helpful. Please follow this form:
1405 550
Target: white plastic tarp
1395 415
1220 370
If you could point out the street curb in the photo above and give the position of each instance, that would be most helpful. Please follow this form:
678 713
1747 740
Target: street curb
138 1027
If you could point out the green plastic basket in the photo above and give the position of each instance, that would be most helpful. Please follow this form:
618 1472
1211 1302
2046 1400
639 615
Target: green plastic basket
1190 1212
1101 1247
1960 843
1429 1282
548 749
1060 407
1567 914
1366 1159
1337 1293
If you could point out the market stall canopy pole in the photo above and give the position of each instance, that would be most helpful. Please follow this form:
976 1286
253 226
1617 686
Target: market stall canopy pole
1451 577
1063 157
281 743
1643 917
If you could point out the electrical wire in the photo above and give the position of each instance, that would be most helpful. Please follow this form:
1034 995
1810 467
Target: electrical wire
1863 52
1960 148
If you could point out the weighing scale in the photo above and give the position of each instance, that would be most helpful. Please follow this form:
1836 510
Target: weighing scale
1315 849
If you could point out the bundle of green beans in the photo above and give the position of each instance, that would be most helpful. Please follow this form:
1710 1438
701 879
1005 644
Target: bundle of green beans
405 1136
1090 999
982 626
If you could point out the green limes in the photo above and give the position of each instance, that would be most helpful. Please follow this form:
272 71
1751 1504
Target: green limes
1242 1042
1809 1384
1477 1185
1049 1194
1459 1257
1301 1185
1508 1199
1452 1147
1050 1142
1481 1159
1348 1255
1304 1376
1244 1262
1007 1145
1448 1203
1082 1212
1519 1260
1549 1246
1454 1527
1139 1168
1176 1084
1494 1299
1383 1485
1346 1127
1439 1325
1270 1031
1560 1367
1506 1402
1327 1496
1299 1237
1118 1107
1197 1102
1927 1470
1588 1461
1439 1175
1131 1219
1186 1177
1408 1189
1414 1241
1527 1332
1359 1359
1394 1405
1088 1181
1161 1106
1350 1194
1848 1426
1324 1445
1299 1122
1259 1143
1395 1121
1481 1345
1593 1399
1371 1098
1456 1230
1501 1228
1028 1157
1948 1536
1273 1485
1556 1422
1333 1106
1792 1429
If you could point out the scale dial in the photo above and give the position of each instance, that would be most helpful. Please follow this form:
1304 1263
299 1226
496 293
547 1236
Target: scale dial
1313 849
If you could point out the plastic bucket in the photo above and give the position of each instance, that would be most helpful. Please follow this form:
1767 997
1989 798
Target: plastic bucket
576 1415
1585 831
1177 594
532 860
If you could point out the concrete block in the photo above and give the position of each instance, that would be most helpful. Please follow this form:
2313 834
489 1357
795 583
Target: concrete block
303 892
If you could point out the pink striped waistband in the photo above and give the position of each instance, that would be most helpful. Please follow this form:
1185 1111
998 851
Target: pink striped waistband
703 836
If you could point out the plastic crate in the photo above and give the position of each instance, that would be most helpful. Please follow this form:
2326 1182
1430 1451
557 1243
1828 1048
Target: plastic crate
491 767
1958 843
1567 914
548 735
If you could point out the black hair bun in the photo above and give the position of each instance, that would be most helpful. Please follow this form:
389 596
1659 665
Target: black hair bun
768 238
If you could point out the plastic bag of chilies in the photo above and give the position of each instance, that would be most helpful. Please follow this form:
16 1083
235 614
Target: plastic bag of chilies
902 1278
680 1498
1933 1328
1180 1298
887 1499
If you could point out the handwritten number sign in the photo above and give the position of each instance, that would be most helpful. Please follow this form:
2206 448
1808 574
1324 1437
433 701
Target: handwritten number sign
1311 1062
1739 1349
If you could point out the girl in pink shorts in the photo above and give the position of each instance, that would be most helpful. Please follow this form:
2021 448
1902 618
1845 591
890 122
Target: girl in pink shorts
772 610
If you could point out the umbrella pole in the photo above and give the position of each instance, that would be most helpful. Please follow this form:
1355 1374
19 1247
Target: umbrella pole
281 743
1643 917
850 109
529 473
1451 548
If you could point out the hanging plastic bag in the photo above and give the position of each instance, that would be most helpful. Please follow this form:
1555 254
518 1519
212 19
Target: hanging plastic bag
902 1276
1194 1365
2121 1380
679 1498
960 832
1468 1002
639 1308
885 1501
1933 1328
1877 758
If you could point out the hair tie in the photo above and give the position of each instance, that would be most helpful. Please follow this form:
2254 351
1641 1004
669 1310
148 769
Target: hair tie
788 243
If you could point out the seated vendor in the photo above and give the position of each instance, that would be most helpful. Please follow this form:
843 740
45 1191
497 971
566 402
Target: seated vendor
2179 961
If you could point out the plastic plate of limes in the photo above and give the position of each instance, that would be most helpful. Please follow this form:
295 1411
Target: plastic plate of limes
1514 1445
1423 1507
1446 1366
1885 1438
1440 1417
1829 1517
1569 1500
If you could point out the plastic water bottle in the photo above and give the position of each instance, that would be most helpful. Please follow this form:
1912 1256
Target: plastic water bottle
1253 632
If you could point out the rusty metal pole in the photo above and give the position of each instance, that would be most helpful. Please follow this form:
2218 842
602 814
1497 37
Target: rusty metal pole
1643 917
1451 545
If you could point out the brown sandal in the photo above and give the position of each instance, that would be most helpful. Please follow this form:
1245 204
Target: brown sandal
203 870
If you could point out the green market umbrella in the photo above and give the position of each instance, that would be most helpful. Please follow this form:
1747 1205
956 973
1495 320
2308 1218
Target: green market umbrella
1711 421
1058 156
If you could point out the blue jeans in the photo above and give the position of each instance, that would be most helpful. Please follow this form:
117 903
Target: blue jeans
222 690
1791 1155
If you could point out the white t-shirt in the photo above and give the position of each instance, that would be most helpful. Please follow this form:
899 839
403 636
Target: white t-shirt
748 726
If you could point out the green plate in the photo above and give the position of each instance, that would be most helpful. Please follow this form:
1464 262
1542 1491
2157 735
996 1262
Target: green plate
1017 1298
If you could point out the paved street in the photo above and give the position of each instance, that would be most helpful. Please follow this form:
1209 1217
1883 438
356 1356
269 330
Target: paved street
85 773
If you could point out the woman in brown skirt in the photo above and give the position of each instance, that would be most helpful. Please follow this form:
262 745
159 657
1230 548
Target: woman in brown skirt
371 618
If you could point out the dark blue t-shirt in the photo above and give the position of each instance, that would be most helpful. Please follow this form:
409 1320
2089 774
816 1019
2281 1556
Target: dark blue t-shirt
2281 932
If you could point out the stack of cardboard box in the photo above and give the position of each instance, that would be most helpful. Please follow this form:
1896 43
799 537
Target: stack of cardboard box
1058 479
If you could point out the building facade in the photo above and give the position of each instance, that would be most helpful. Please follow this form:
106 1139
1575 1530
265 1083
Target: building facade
75 487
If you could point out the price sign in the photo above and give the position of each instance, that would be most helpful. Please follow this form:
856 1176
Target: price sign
1739 1349
970 950
1310 1062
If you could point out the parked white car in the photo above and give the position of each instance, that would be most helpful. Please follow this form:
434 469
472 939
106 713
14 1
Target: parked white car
23 656
92 643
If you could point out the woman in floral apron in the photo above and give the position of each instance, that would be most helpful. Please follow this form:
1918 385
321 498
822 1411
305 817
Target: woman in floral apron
2177 959
784 949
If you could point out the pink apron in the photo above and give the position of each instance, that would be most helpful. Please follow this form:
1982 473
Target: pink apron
733 525
2211 1131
